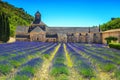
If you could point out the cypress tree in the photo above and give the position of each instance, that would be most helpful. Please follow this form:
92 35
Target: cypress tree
4 27
0 25
7 28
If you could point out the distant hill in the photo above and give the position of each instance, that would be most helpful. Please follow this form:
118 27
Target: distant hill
17 16
114 23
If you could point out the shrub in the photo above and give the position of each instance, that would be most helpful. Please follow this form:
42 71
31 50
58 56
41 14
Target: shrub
114 45
110 38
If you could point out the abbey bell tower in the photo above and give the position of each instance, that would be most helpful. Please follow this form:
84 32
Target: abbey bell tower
37 18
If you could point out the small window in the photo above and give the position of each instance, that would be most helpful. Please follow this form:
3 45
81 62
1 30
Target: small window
80 34
94 34
72 34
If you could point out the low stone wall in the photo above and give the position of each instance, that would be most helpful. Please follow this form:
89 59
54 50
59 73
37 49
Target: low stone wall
113 33
11 40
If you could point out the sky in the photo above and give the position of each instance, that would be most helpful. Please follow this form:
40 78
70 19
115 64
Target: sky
71 13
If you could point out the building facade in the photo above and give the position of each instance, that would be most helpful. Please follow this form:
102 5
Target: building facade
38 31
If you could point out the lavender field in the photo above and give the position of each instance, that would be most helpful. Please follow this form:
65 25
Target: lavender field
58 61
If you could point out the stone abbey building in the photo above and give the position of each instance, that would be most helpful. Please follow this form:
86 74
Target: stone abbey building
38 31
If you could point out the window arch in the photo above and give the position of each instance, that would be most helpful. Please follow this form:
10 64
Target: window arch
86 34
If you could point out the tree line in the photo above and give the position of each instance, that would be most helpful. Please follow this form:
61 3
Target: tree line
4 27
114 23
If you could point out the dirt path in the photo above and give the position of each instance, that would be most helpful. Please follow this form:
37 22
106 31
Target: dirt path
43 73
74 75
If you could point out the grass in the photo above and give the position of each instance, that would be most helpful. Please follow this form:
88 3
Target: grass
62 77
59 60
46 56
117 74
29 69
25 73
19 77
57 71
5 68
87 72
107 67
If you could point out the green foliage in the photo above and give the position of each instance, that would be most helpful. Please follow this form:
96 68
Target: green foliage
62 77
46 56
115 45
56 71
111 38
5 68
29 69
59 60
86 72
117 74
4 27
17 16
16 63
107 67
21 77
113 24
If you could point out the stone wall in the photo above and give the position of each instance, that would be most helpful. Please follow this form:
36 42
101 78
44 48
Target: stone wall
114 33
34 36
72 29
51 40
62 37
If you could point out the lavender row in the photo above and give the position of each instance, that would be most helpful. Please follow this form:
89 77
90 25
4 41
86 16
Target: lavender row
81 64
96 60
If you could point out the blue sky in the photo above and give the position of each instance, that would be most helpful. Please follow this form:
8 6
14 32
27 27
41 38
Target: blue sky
71 13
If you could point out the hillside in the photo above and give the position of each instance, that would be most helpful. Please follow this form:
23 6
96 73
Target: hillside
17 16
114 23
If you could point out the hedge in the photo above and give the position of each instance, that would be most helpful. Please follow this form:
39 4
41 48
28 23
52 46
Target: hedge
111 38
115 45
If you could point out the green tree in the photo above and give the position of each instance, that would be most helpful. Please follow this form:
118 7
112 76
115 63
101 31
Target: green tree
4 27
114 23
111 38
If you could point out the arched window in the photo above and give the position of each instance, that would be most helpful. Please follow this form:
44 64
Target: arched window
80 34
72 34
86 34
94 34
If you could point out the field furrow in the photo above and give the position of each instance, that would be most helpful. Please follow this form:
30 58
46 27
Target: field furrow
58 61
43 73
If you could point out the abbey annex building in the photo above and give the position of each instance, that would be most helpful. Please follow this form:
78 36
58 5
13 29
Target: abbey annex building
38 31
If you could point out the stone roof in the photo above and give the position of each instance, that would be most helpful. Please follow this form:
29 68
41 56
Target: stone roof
37 29
40 24
72 29
22 29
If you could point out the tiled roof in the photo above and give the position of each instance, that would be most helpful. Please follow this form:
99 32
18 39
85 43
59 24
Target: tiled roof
72 29
37 29
22 29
